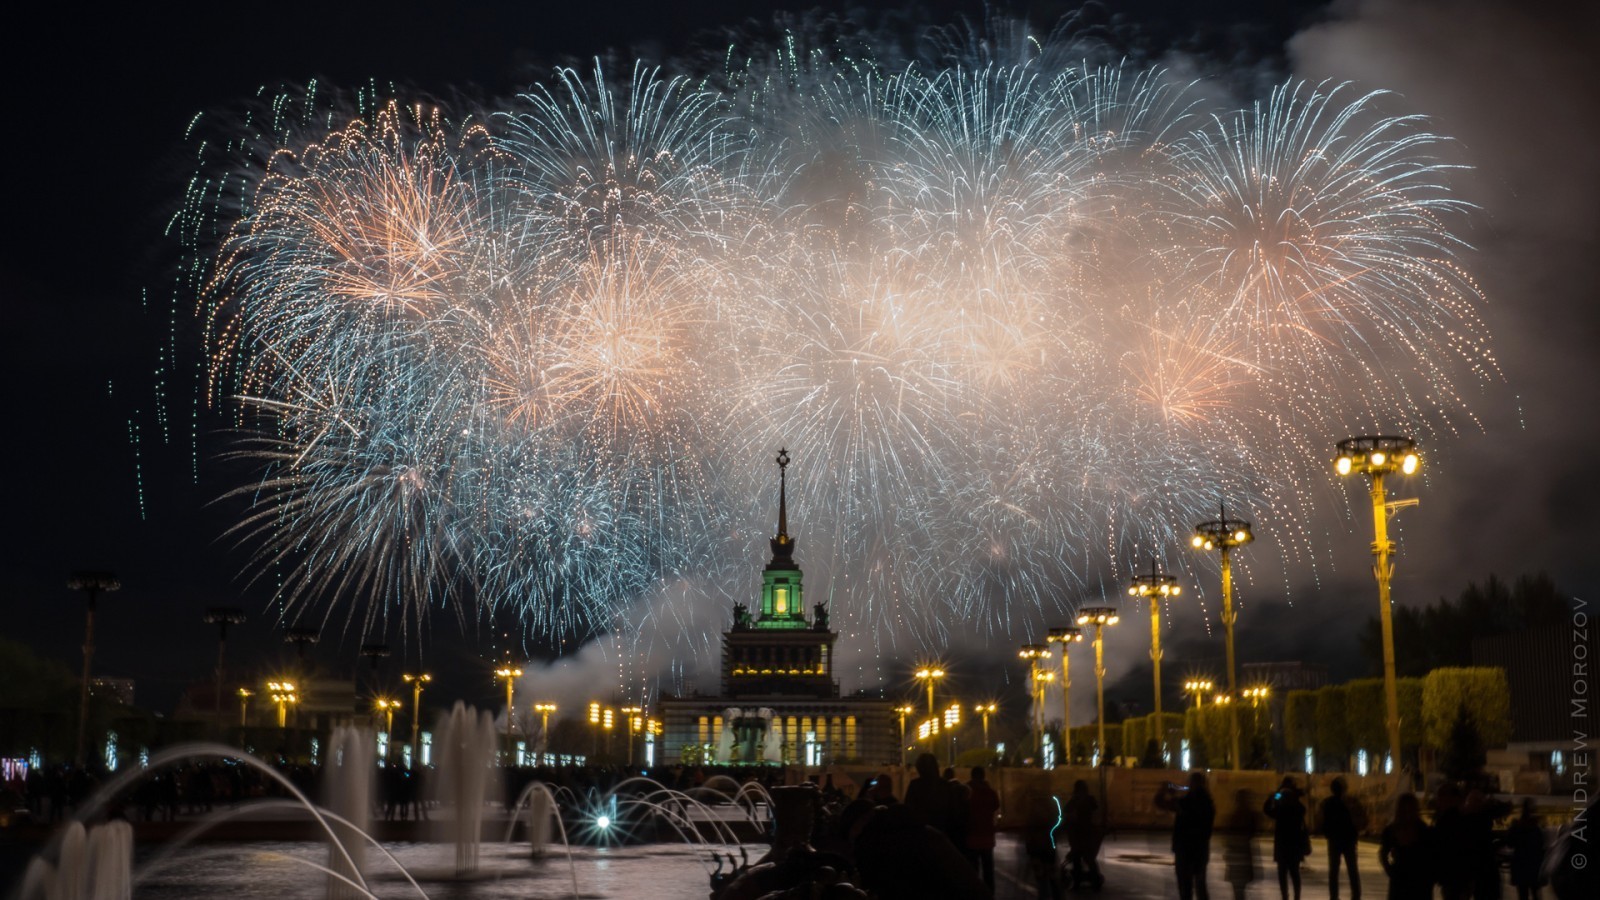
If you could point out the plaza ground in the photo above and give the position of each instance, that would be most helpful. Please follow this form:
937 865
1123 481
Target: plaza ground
1139 864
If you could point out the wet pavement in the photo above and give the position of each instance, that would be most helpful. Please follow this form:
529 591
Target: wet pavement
1139 864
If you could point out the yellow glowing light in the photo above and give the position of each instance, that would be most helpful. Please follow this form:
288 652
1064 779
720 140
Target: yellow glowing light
1378 457
1196 541
1410 463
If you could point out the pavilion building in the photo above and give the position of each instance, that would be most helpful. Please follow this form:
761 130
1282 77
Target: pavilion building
779 698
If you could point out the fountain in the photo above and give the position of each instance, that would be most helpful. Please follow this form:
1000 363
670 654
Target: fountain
725 741
636 855
464 775
347 792
93 864
772 747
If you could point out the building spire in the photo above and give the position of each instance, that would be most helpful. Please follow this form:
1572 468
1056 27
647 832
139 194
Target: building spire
782 544
783 495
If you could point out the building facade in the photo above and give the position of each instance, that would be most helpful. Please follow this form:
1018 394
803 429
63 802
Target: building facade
779 699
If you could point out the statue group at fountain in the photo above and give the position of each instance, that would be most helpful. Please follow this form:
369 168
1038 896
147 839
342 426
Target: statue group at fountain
750 736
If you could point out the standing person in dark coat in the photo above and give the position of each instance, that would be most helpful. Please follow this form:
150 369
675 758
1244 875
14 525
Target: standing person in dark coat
1042 817
1406 852
1239 854
1479 812
1083 837
1290 840
1452 862
1342 820
982 805
937 802
1525 837
1196 816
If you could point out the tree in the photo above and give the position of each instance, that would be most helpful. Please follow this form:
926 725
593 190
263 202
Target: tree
1299 721
1482 692
1333 729
1440 635
1462 755
1409 691
34 695
1134 734
1365 708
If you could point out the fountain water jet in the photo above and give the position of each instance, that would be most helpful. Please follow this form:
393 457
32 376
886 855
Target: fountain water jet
347 790
93 864
465 771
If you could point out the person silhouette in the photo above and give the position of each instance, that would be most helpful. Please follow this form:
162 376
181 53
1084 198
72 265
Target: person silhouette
1290 840
1405 851
1195 817
1342 819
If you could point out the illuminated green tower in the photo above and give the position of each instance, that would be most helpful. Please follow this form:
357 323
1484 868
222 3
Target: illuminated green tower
782 603
779 651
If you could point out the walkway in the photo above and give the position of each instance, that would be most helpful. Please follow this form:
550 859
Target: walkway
1139 864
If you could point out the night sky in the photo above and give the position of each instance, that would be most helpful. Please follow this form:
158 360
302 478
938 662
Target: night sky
99 103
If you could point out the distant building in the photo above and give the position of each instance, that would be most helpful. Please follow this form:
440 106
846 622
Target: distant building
1283 677
1544 667
779 701
117 690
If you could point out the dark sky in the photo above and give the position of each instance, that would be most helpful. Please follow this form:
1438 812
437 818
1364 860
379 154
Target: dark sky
97 108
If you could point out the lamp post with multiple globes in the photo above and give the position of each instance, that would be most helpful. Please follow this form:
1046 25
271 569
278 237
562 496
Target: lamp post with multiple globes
903 710
1097 618
1223 534
544 710
1155 588
283 694
510 673
986 710
1376 456
1065 637
416 681
930 674
1033 653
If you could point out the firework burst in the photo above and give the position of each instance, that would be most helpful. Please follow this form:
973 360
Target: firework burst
1020 320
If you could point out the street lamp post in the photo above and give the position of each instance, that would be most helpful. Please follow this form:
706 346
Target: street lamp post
1198 688
1065 637
1377 456
986 710
544 710
952 718
244 708
301 638
1257 696
510 673
283 694
93 584
1098 617
930 674
1155 588
635 716
1223 534
903 710
222 617
416 681
387 707
1033 653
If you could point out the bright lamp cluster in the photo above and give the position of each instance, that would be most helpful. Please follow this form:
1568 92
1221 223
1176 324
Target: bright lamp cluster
1098 615
1377 454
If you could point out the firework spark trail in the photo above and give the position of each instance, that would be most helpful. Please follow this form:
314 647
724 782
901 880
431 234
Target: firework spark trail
1021 321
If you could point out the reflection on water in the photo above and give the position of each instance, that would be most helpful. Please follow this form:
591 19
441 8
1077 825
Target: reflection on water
278 871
